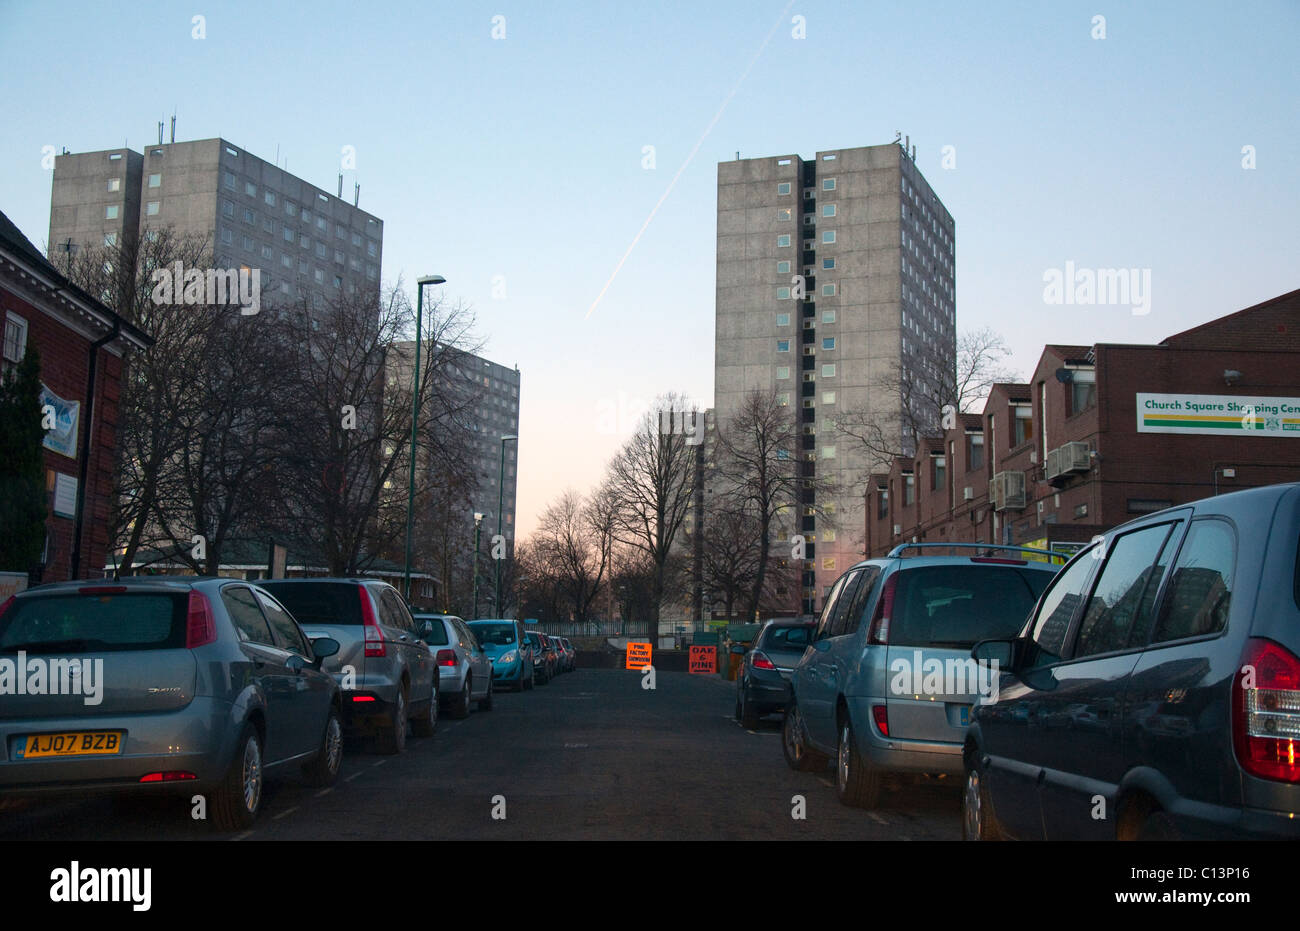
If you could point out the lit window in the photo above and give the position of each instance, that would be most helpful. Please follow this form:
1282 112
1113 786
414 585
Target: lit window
828 210
783 213
783 399
828 184
783 241
828 236
828 370
783 187
828 536
828 563
110 213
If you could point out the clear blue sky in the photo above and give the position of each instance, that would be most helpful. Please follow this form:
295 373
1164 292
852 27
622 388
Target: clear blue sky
522 156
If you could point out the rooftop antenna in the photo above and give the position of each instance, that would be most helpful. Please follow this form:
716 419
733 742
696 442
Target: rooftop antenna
913 153
737 155
160 132
173 138
897 135
356 195
340 185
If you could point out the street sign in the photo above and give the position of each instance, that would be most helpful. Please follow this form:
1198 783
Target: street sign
704 660
638 655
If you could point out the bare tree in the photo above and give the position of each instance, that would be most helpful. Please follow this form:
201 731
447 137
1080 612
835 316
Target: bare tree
651 481
923 391
575 537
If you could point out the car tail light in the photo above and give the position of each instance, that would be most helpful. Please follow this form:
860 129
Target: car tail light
102 590
5 606
759 660
879 632
1266 711
199 626
881 716
374 637
170 775
446 657
363 698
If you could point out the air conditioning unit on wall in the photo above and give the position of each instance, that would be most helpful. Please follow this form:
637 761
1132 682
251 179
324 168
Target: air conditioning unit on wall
1008 491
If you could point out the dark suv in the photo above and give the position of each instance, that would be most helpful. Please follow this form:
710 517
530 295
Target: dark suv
1154 691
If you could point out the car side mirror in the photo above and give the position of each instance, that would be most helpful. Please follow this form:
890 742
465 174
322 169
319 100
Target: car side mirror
1001 652
323 647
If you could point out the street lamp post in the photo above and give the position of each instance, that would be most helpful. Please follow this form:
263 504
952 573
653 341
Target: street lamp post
478 526
415 419
501 495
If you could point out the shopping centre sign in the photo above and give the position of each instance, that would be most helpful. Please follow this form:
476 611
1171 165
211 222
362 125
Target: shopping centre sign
1218 414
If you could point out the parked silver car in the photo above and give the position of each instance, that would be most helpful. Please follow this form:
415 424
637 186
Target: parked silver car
383 667
202 686
464 667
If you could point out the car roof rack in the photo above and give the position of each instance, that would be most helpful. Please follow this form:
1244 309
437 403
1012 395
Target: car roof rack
986 549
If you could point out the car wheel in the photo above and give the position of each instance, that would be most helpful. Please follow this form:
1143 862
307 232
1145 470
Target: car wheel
794 743
748 716
486 703
239 797
324 770
393 737
977 820
857 782
461 707
427 723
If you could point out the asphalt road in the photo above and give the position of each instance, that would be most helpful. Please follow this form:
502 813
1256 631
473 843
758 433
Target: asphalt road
591 756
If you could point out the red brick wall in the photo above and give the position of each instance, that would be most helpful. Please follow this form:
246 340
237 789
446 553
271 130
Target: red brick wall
64 357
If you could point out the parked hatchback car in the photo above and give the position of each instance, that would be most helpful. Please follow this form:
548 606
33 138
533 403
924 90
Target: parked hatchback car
386 672
763 682
888 683
464 667
201 686
544 659
507 645
1155 690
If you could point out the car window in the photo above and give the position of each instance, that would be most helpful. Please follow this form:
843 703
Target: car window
787 638
1200 588
1125 592
248 617
828 609
436 637
1056 609
393 612
954 606
470 641
284 627
843 603
853 616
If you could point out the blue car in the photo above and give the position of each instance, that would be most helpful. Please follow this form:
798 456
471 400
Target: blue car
505 642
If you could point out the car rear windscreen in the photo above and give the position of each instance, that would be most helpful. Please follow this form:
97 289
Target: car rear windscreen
95 623
958 606
502 635
787 638
318 602
438 636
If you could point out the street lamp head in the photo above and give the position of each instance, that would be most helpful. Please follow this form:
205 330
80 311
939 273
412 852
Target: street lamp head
478 517
430 279
510 437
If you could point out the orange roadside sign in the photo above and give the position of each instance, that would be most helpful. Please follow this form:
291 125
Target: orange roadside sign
638 655
704 659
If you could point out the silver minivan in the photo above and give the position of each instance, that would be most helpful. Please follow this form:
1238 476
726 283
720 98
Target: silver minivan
388 679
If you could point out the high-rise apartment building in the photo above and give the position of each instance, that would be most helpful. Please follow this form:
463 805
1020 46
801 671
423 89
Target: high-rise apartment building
834 275
308 243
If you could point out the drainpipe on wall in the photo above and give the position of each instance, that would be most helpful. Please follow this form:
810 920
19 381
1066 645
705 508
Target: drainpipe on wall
88 417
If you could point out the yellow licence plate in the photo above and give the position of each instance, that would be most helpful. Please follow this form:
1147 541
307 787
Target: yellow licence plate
76 743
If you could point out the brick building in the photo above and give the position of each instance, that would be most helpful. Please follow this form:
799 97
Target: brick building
1103 433
81 344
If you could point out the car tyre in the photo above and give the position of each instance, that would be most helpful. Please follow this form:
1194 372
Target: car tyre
238 799
324 770
392 738
748 716
461 706
794 743
977 819
486 703
427 723
857 782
